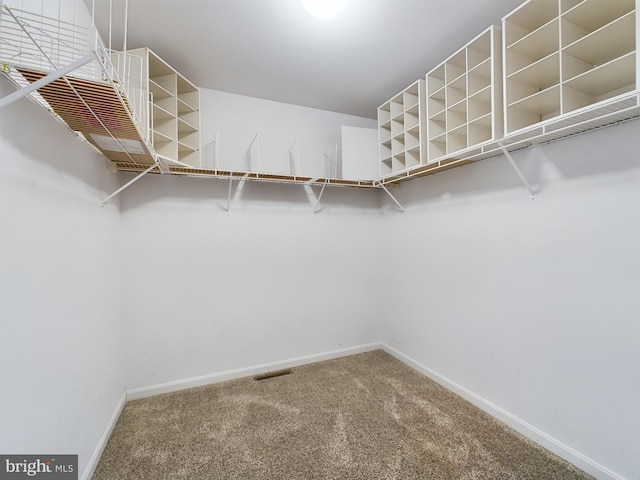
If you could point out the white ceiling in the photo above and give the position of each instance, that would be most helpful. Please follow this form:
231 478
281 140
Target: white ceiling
274 49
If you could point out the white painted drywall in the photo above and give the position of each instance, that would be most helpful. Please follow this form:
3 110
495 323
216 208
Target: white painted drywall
213 291
238 119
61 347
269 281
531 304
360 153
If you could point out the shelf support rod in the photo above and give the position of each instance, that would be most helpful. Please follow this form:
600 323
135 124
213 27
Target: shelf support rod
229 195
46 80
129 183
216 150
315 210
395 200
507 154
254 154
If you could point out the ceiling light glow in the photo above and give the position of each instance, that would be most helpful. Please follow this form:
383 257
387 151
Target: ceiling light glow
324 8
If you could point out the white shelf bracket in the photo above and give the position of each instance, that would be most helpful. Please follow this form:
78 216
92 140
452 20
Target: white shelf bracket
129 183
317 207
395 200
46 80
239 189
506 153
229 195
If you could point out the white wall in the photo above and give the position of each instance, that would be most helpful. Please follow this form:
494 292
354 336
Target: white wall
61 349
269 281
239 118
360 153
531 304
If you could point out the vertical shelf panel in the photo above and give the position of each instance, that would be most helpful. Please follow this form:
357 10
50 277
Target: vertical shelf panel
188 102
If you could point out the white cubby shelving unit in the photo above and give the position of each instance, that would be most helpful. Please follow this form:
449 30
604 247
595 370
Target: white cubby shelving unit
464 99
562 56
173 118
401 130
566 67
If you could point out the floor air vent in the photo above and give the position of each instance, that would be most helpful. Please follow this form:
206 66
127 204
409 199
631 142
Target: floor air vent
277 373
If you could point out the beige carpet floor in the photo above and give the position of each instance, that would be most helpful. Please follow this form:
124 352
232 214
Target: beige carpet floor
366 416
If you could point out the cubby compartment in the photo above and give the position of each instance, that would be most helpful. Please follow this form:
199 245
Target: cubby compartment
412 117
436 80
437 102
457 116
527 19
478 52
385 150
410 97
384 133
533 78
607 43
600 83
480 130
412 157
457 140
437 126
397 106
591 15
437 147
479 105
533 109
412 138
398 163
455 66
386 167
479 78
384 115
455 95
402 128
397 145
535 46
397 126
158 92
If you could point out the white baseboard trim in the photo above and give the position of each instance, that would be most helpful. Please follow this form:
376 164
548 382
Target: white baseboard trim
576 458
95 458
151 390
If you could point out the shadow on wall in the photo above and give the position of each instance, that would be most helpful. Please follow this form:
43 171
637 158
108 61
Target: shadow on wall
213 194
35 134
590 157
